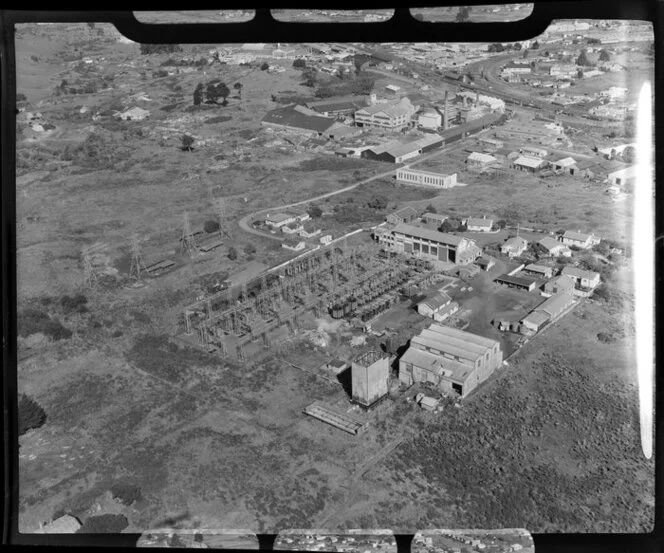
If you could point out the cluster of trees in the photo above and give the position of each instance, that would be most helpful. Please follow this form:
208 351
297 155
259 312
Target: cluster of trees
125 492
211 93
315 212
498 47
147 49
31 321
171 62
76 303
299 63
249 249
377 202
452 225
187 143
583 59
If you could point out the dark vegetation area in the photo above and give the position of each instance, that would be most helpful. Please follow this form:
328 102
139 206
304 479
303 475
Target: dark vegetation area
126 492
30 414
104 524
31 321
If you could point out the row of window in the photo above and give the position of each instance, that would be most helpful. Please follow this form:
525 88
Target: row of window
420 178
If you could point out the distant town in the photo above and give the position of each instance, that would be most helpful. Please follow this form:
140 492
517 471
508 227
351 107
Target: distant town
309 285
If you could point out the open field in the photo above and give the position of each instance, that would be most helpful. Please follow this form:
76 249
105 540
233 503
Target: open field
549 443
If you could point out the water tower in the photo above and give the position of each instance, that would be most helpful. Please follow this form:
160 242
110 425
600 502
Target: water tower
370 376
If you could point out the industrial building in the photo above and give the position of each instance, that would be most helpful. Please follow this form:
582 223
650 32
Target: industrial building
397 152
451 359
477 161
426 178
386 116
547 311
335 107
520 283
404 215
370 374
438 247
435 218
297 119
559 284
432 305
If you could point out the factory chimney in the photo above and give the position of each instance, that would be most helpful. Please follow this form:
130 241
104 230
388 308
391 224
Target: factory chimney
446 116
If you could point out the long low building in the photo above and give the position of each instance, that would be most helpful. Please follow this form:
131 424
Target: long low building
397 152
451 359
520 283
426 178
547 311
298 119
440 248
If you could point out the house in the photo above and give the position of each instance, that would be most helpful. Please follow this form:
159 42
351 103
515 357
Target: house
435 218
297 119
326 239
582 278
426 178
404 215
565 165
540 271
505 154
433 304
579 239
397 152
294 244
492 144
479 162
438 247
532 151
547 311
452 360
559 284
278 220
514 247
392 89
527 163
485 263
429 118
476 224
585 168
302 216
309 230
393 117
292 228
133 114
554 248
623 177
516 68
66 524
520 283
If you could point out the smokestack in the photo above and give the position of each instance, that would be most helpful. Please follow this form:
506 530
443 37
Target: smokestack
446 116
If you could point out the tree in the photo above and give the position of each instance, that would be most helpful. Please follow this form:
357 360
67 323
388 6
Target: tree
525 54
447 226
232 253
604 55
264 67
299 63
377 202
535 45
30 414
516 46
315 212
20 97
125 492
430 209
309 76
214 90
463 14
211 226
629 154
583 59
579 74
198 94
249 249
187 143
147 49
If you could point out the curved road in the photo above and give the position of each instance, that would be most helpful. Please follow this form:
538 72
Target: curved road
244 221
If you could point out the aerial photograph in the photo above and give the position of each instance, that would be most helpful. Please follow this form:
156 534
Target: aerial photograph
282 286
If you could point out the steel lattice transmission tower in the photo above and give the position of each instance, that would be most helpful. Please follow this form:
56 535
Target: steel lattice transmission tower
137 261
89 271
219 205
188 241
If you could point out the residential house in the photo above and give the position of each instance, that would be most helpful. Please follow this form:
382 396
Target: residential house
309 230
435 218
623 177
292 228
133 114
527 163
485 263
559 284
554 247
491 144
404 215
585 168
438 307
441 248
477 224
514 246
479 162
278 220
582 278
565 165
453 360
579 239
294 244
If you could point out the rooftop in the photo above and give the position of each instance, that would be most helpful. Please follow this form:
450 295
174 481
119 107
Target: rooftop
482 158
437 301
479 222
292 117
536 318
555 304
445 368
579 273
433 235
519 281
515 242
528 161
534 267
550 243
576 235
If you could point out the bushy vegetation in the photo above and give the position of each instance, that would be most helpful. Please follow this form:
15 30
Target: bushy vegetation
377 202
30 414
363 84
211 226
126 492
74 304
104 524
232 253
162 358
31 321
147 49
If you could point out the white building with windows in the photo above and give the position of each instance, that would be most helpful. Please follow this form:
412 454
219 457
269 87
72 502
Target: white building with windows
407 175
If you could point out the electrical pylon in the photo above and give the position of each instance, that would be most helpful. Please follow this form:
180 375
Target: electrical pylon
188 241
137 261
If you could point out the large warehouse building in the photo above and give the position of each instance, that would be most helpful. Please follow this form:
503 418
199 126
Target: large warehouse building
452 359
440 248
